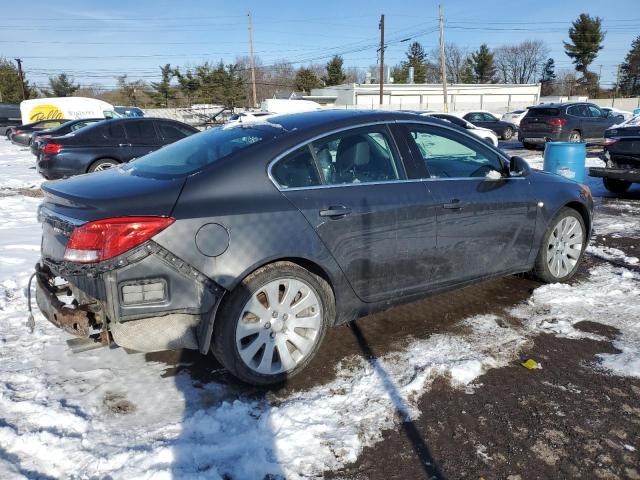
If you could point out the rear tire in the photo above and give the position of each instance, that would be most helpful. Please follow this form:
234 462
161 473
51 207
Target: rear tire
507 133
562 247
103 164
259 334
616 186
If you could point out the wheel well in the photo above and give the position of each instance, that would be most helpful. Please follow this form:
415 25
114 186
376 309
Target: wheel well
582 210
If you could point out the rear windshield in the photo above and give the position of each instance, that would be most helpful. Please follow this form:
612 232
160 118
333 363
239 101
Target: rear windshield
544 112
197 151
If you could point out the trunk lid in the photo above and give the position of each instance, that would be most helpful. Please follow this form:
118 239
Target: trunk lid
111 193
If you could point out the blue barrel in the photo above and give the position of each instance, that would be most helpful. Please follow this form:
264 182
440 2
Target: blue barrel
566 159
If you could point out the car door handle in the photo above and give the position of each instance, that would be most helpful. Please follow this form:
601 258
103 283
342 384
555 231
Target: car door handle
335 212
454 204
124 144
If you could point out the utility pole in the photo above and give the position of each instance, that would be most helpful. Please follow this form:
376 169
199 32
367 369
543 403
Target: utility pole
19 62
442 62
253 65
381 27
615 94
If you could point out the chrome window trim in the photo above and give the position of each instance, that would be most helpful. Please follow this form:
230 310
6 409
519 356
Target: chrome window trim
369 124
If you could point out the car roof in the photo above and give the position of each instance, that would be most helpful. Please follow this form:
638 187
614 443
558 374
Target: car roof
318 118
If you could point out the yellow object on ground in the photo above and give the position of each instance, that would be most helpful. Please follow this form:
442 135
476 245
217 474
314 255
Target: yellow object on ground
531 364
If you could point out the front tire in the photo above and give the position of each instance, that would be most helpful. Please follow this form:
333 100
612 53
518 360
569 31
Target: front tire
616 186
562 248
270 327
507 133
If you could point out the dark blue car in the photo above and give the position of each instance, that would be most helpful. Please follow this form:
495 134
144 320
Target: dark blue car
253 240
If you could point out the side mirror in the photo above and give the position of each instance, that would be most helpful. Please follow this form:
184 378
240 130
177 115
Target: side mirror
469 126
518 167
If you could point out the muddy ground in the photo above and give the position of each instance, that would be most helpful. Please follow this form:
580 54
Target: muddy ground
566 420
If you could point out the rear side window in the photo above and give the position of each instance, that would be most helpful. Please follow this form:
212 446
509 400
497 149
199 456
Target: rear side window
143 132
543 112
200 150
578 111
113 131
172 132
362 155
296 170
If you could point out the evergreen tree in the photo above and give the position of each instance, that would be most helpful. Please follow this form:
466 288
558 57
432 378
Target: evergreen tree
586 41
219 84
163 90
630 70
466 73
129 91
10 88
416 58
483 67
61 86
188 84
306 79
547 78
400 74
335 74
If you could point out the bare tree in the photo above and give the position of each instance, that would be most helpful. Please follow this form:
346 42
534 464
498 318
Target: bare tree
520 63
454 59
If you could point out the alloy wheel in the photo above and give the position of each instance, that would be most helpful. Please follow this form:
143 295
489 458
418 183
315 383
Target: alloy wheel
564 246
279 326
103 166
574 137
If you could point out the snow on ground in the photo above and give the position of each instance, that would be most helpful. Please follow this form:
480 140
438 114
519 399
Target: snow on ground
106 413
18 167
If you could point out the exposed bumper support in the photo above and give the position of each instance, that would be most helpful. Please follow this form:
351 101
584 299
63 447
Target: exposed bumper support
78 321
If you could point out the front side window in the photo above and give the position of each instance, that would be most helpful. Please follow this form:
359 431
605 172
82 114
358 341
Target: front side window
446 156
474 117
361 155
489 118
596 112
172 132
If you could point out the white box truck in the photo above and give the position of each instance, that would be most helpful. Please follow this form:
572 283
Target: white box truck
70 108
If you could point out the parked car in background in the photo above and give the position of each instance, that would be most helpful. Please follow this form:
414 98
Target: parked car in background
504 130
622 153
106 144
65 128
514 117
251 241
619 115
564 122
9 117
248 117
486 134
129 111
22 135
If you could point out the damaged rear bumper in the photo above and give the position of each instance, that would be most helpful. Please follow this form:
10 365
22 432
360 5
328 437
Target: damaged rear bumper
81 321
145 300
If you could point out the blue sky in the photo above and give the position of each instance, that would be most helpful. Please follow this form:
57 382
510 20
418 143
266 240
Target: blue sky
97 40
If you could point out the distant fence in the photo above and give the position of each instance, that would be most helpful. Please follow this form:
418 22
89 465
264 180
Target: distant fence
628 104
194 117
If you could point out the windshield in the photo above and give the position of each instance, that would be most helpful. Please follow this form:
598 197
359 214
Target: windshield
197 151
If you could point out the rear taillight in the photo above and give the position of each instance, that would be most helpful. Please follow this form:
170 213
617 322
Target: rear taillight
103 239
524 121
557 122
16 132
609 141
44 136
52 148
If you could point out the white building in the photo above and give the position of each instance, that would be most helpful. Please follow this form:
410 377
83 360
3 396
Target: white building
497 98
